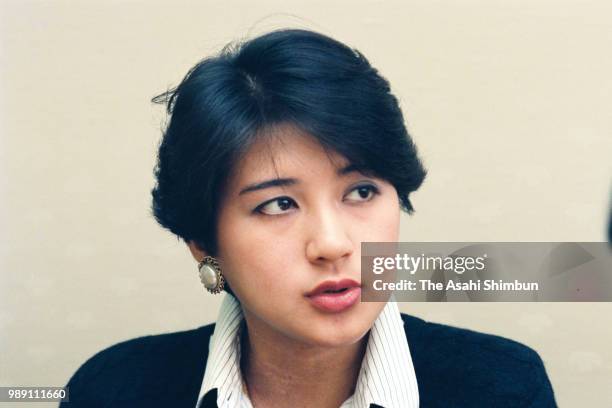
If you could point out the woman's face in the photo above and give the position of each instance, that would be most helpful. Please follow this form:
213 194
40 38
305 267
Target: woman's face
292 218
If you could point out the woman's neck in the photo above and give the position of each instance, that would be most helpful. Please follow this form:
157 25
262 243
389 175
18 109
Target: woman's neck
282 372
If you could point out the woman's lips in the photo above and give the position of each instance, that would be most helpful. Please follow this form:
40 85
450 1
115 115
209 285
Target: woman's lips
335 297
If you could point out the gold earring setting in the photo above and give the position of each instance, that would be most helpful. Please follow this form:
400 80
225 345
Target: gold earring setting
210 275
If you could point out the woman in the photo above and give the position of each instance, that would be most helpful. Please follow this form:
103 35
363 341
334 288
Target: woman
281 156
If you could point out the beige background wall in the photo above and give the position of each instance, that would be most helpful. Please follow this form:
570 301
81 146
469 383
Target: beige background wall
508 101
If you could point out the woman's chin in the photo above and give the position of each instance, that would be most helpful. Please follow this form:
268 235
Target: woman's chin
332 340
341 329
333 335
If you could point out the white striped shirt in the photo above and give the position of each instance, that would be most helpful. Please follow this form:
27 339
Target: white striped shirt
386 377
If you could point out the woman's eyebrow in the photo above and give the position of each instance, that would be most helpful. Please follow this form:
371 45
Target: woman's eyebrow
279 182
348 169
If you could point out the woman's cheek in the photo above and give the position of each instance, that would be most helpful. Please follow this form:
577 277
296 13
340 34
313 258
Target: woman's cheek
263 267
378 223
386 226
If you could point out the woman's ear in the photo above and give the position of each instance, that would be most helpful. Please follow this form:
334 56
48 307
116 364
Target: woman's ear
198 254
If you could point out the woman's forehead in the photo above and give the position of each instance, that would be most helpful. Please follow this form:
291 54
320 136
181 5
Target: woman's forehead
286 151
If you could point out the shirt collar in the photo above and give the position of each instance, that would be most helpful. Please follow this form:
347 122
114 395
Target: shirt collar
223 364
386 376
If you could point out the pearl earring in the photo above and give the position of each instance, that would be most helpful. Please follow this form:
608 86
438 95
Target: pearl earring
210 275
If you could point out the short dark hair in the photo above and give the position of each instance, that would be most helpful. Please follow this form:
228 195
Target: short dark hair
292 76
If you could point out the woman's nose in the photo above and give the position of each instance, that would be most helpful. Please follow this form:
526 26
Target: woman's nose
328 239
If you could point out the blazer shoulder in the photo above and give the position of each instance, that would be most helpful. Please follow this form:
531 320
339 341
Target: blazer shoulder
140 367
462 364
448 338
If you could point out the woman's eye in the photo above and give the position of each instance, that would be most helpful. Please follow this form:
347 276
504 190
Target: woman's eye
276 206
362 193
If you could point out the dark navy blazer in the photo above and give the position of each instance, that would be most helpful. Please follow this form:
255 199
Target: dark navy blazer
454 368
